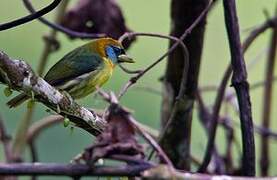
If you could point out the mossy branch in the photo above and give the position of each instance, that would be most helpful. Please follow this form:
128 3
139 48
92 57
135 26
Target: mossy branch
19 76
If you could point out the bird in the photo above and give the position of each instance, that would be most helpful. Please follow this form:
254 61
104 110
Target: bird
84 69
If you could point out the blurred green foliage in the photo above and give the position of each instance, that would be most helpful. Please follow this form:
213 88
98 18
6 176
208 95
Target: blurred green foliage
59 145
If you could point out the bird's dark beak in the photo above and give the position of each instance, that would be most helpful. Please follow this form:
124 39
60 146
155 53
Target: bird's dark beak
123 58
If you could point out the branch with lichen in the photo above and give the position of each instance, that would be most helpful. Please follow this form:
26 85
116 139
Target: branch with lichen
19 76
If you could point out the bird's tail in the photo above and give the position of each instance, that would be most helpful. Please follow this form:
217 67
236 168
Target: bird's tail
17 100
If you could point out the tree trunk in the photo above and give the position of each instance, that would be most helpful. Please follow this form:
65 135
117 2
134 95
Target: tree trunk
176 141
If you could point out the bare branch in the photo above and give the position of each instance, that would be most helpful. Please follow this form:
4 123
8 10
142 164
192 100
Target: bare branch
206 119
130 35
36 128
265 132
151 141
134 79
30 17
5 139
53 169
270 23
146 171
165 172
267 107
239 81
128 70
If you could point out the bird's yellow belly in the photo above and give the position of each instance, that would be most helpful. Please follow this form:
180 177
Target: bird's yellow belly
89 84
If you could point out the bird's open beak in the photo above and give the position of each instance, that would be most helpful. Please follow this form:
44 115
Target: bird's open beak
123 58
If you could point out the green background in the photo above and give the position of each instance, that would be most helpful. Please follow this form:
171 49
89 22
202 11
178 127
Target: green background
58 144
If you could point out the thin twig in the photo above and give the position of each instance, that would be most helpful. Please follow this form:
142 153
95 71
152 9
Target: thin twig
261 130
59 28
19 140
267 107
265 132
152 142
258 129
205 118
230 140
5 139
128 70
152 132
130 35
30 17
48 40
213 125
211 88
270 23
36 128
134 79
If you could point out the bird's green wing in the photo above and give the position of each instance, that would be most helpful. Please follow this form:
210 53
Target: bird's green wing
76 63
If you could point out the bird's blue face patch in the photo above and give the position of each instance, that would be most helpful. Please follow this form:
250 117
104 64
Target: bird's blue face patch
113 52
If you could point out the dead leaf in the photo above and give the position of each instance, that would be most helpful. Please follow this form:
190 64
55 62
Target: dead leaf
117 139
97 16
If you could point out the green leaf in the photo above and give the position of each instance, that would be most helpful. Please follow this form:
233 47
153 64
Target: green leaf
66 122
7 91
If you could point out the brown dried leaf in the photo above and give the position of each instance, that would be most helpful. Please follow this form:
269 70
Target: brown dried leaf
97 16
117 139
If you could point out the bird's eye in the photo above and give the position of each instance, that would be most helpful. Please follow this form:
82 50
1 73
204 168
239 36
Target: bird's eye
118 50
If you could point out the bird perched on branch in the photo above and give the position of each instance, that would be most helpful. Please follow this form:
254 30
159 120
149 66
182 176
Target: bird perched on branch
83 69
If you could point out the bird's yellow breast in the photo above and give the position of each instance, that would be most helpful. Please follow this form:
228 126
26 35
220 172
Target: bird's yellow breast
93 80
103 75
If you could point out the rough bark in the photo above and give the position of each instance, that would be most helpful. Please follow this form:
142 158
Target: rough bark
176 142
